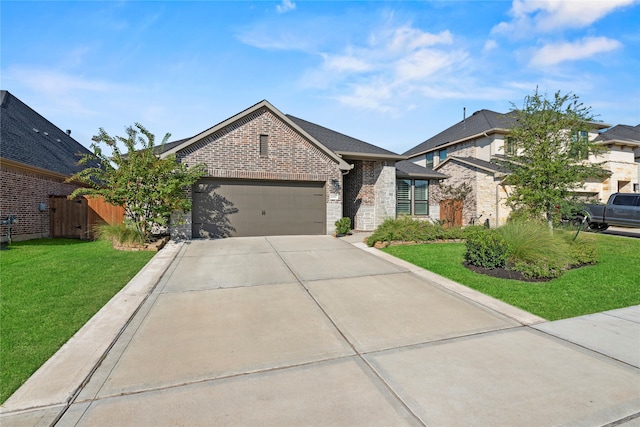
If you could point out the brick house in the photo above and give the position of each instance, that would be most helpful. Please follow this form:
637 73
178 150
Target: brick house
464 152
36 158
271 173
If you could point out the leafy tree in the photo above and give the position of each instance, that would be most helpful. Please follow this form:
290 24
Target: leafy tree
547 153
148 186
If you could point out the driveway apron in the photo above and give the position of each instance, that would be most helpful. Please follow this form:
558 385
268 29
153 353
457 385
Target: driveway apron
301 330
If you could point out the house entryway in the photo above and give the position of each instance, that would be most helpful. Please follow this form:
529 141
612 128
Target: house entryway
224 208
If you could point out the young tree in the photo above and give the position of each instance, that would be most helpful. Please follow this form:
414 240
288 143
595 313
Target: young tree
149 187
547 153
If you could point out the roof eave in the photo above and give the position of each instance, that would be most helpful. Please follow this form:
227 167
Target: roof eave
438 176
370 156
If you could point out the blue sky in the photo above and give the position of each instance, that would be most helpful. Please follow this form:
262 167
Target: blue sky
389 73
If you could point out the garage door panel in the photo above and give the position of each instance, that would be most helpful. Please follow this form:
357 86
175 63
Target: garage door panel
223 208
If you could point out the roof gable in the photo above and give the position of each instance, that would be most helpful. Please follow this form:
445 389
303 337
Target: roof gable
177 146
28 138
492 168
480 122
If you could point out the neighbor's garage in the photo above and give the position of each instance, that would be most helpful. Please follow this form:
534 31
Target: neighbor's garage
223 208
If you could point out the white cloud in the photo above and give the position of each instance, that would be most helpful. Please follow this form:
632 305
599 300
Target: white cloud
285 6
490 45
393 64
543 16
556 53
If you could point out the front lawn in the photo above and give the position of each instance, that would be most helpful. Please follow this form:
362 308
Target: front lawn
612 283
49 288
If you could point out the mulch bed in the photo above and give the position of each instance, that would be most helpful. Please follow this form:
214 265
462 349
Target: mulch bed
502 273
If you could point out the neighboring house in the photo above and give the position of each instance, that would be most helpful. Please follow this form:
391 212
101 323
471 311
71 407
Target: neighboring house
465 151
269 173
622 159
36 158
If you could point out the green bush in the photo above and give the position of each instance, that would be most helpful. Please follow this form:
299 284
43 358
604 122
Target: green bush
406 229
529 247
486 248
343 225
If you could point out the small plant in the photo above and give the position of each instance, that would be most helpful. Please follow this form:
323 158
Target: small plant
486 248
343 226
120 234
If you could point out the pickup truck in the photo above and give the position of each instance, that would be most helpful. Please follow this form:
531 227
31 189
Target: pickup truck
622 209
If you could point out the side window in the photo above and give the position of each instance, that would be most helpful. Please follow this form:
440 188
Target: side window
624 200
429 157
421 197
443 154
264 145
403 197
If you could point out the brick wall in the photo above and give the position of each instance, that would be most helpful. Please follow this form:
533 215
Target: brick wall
20 193
234 152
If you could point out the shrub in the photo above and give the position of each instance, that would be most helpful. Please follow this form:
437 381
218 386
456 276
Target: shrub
486 248
119 234
406 229
343 225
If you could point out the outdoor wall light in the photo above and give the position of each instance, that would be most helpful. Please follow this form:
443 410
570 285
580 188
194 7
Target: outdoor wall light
42 207
336 185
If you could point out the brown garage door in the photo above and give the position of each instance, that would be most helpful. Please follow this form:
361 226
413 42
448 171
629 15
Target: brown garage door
223 208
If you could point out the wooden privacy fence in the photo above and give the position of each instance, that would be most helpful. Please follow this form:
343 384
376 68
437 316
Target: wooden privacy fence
77 218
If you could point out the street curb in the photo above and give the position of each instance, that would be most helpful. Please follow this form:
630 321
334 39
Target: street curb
515 313
59 378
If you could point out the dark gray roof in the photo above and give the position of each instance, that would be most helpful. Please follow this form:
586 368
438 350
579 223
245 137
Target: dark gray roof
479 122
482 164
620 133
340 143
29 138
407 169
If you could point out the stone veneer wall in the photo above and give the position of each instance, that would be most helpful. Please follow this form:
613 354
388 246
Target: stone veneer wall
20 193
370 193
233 152
385 192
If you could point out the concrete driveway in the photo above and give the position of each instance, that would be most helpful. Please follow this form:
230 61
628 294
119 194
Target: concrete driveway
291 331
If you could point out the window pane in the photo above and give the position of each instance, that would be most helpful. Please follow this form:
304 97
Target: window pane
422 208
443 154
429 157
403 189
421 189
403 207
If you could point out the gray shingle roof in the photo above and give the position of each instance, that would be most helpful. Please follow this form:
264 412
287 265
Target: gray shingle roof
620 133
479 122
407 169
338 142
29 138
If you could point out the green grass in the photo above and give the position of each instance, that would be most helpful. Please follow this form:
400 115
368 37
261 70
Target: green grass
614 282
49 289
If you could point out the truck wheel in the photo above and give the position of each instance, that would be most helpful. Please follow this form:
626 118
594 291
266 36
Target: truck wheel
594 226
602 227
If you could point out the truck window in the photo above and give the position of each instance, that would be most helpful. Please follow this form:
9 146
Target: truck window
625 200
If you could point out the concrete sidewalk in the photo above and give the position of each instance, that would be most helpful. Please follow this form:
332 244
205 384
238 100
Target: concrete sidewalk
317 331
